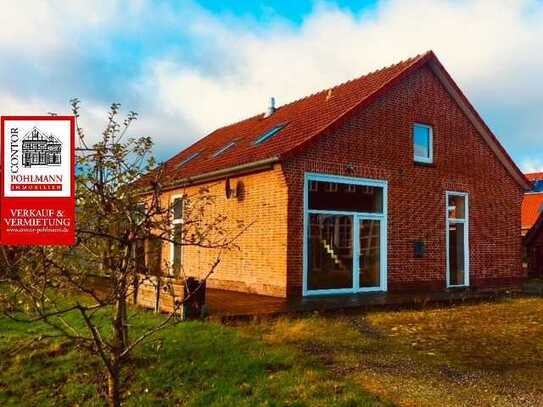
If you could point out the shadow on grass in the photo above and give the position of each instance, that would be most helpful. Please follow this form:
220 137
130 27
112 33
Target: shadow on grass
194 363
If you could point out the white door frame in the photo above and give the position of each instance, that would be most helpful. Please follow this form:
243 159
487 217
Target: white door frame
356 216
465 222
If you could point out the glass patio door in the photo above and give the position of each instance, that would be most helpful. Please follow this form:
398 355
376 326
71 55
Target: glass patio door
345 235
330 252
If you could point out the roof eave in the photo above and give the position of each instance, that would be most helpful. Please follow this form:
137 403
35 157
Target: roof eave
254 166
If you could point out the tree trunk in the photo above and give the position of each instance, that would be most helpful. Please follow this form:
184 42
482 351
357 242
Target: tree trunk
120 343
114 385
122 316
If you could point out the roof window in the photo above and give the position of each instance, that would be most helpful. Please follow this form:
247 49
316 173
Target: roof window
189 158
270 133
224 148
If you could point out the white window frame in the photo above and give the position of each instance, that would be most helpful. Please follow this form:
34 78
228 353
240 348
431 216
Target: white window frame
357 217
175 222
418 158
448 222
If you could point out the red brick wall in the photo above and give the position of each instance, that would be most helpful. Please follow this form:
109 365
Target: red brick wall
377 142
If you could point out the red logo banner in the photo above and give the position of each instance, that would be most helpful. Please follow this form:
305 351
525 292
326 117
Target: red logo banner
37 197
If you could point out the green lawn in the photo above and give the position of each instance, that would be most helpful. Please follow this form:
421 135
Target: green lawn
196 364
488 354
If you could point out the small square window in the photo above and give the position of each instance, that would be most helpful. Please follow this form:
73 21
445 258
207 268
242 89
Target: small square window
422 143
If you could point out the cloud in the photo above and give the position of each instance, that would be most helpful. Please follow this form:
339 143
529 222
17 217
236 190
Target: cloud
188 71
45 27
532 165
489 47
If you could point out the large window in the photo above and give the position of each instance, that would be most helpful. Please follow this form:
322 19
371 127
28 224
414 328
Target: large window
176 236
422 143
345 235
457 239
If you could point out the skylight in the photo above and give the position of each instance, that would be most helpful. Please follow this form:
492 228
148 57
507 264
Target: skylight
270 133
189 158
224 148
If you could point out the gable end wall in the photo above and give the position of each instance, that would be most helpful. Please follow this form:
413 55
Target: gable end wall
377 144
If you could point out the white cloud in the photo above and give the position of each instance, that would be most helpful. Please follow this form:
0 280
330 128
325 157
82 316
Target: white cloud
219 69
49 26
489 47
532 165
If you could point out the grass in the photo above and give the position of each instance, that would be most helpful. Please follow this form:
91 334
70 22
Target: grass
193 364
489 354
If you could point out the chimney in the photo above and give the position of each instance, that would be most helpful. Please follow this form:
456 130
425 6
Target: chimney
271 108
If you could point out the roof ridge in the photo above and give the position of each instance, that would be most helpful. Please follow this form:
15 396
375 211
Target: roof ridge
407 60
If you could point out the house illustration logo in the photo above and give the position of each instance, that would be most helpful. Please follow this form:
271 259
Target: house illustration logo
40 149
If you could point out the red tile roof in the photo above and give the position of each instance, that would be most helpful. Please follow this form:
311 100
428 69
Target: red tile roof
305 119
531 209
535 176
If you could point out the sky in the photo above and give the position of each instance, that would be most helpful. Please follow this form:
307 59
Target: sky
188 67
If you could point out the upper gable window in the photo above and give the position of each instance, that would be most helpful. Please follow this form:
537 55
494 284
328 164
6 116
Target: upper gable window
270 133
422 143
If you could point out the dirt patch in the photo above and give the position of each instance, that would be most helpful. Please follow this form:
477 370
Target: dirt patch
484 354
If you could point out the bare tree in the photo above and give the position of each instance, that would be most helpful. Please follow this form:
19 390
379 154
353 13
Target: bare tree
121 217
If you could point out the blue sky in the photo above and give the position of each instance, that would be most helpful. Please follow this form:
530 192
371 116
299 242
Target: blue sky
190 66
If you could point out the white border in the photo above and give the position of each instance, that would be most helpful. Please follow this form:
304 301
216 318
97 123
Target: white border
357 216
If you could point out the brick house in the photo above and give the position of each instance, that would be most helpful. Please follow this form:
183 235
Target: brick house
388 182
532 204
534 248
532 225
